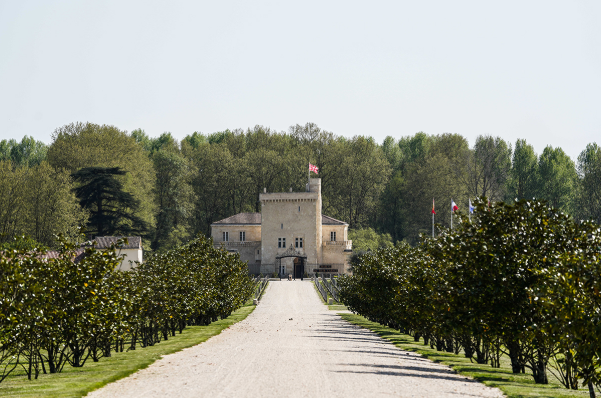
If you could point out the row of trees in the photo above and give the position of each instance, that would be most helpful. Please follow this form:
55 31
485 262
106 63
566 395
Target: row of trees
521 280
180 188
72 307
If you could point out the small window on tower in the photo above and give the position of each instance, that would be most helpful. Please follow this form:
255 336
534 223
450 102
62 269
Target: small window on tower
280 242
299 209
282 226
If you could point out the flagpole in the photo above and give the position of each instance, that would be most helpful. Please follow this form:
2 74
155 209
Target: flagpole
308 173
451 213
309 165
469 210
433 212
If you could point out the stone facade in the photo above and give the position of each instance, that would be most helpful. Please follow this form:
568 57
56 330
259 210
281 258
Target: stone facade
289 230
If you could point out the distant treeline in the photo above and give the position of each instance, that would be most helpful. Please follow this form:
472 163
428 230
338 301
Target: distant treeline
180 188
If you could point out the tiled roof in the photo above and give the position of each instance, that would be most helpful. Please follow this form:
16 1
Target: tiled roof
325 220
79 254
241 218
104 242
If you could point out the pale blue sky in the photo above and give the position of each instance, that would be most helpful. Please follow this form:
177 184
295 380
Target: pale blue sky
515 69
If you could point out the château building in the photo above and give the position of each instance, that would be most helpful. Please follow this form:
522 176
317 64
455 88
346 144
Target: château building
290 235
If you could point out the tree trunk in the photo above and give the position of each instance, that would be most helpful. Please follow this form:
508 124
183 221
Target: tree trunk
514 356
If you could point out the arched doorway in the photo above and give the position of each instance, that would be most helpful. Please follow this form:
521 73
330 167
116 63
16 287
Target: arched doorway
300 259
299 267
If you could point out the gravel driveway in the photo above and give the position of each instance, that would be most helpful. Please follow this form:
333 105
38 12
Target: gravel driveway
293 346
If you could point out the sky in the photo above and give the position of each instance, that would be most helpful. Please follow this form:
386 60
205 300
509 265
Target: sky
513 69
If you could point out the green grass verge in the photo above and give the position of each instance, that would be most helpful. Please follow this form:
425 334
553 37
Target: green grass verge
513 385
337 307
76 382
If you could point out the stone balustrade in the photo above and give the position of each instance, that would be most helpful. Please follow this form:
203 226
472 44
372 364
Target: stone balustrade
344 244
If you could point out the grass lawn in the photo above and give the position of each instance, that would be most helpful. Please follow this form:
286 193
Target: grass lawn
517 386
76 382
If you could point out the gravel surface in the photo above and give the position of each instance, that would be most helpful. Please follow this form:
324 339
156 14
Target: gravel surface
293 346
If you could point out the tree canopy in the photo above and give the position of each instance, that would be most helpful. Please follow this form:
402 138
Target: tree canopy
112 210
183 187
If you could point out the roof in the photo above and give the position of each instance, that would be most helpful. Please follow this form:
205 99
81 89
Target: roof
241 218
104 242
54 254
326 220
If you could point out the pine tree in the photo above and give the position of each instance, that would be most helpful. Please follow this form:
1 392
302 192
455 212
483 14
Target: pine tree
112 210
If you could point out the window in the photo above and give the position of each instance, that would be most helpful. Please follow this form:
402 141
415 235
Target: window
299 209
226 236
333 236
298 243
242 236
282 242
282 226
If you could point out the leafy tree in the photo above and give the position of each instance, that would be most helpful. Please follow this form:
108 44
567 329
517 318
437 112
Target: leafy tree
195 140
392 152
556 178
391 207
80 145
589 172
213 166
52 206
13 200
112 210
523 171
368 239
357 173
5 147
37 202
174 198
142 139
487 168
28 152
432 178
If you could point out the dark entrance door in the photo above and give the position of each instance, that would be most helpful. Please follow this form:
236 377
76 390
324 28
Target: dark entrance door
299 267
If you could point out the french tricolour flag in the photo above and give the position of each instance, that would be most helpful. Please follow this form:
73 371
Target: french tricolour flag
453 205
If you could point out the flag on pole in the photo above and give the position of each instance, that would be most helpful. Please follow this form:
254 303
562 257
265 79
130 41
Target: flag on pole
471 207
454 206
313 168
433 212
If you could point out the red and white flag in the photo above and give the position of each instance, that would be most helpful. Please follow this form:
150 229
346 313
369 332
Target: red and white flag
433 211
454 206
313 168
